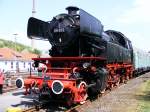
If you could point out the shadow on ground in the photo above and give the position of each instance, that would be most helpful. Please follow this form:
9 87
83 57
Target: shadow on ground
24 103
18 93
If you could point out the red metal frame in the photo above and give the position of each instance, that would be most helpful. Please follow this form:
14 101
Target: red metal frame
117 77
70 58
77 92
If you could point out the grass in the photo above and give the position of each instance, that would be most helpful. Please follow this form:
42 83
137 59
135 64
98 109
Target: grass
143 97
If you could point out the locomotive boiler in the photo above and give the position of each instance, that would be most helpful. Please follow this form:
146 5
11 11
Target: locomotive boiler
85 59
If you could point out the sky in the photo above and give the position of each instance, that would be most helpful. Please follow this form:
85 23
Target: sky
131 17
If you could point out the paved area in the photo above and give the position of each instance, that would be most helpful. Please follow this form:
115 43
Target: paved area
122 99
15 99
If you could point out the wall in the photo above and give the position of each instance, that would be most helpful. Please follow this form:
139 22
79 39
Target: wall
10 65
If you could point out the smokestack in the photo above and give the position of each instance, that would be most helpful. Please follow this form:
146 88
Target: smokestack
72 10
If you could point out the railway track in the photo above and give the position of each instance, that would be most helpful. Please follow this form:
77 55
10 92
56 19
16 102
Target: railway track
88 102
31 109
10 80
72 109
80 108
9 89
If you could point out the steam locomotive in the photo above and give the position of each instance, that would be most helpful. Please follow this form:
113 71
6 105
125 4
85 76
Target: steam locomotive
85 59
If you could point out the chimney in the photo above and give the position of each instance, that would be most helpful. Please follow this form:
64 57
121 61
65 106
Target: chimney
72 10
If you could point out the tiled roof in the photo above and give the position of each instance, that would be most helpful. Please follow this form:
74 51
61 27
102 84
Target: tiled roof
10 54
29 56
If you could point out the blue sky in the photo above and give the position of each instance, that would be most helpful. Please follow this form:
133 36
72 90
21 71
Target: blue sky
131 17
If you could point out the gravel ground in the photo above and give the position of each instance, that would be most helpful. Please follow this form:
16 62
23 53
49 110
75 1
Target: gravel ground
122 99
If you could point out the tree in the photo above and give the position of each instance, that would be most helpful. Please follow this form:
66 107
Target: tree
17 46
36 51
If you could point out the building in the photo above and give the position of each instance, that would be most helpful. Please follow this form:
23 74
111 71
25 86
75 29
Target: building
10 60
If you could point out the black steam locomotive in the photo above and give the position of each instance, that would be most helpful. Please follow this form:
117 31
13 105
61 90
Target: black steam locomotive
81 34
93 57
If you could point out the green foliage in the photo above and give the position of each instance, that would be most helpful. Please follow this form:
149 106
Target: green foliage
36 51
18 47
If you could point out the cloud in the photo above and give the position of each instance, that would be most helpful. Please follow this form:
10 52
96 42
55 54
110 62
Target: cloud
139 13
